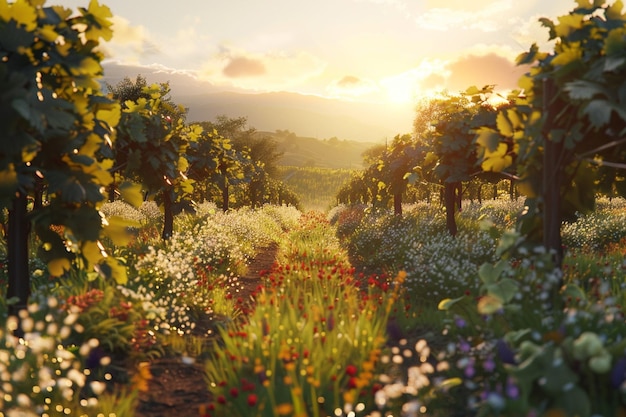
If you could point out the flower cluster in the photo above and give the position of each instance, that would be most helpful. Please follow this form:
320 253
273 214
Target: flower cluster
41 373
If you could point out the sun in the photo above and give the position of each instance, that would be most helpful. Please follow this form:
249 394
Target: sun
400 89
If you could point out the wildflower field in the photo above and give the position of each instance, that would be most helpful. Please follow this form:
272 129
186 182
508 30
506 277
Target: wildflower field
362 314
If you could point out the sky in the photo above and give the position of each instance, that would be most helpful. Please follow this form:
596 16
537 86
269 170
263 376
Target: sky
371 50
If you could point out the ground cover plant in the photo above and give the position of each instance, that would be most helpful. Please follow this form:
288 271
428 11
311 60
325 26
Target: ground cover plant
85 342
495 345
313 342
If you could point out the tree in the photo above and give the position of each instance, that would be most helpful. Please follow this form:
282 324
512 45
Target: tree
258 156
155 147
568 130
56 126
127 92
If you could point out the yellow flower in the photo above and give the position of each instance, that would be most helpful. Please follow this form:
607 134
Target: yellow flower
348 396
284 409
142 377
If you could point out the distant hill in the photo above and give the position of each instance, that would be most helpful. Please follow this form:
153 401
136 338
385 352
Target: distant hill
310 152
306 115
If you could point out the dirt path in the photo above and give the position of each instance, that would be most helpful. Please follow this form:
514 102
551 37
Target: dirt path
179 390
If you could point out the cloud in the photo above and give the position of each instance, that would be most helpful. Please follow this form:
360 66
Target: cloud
269 71
481 15
242 66
130 44
483 70
351 86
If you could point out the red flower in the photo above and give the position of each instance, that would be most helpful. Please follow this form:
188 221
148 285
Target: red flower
221 399
234 392
351 370
252 400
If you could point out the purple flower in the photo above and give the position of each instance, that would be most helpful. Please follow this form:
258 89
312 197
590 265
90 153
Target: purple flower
489 364
464 346
512 390
618 373
505 353
460 322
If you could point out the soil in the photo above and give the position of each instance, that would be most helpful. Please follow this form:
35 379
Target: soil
178 389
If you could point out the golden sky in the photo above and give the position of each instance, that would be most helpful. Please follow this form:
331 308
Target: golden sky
393 50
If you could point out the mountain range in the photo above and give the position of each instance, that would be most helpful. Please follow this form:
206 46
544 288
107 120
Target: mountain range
306 115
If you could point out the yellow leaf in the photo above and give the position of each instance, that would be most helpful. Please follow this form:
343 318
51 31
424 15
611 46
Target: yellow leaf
525 187
62 12
112 268
92 252
614 12
92 145
489 304
183 164
568 24
116 229
8 180
568 54
497 160
101 27
88 66
47 33
110 115
57 267
21 11
131 193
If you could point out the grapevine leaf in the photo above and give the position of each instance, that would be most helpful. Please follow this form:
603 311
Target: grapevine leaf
131 193
58 266
504 125
117 229
488 139
112 268
614 12
569 23
498 160
583 90
599 112
489 273
570 53
504 289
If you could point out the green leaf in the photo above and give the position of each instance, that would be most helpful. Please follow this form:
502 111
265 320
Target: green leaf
613 63
599 112
574 402
505 289
489 273
583 90
22 108
507 241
